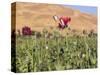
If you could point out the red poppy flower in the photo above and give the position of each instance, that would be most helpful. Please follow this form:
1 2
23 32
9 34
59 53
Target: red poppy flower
26 30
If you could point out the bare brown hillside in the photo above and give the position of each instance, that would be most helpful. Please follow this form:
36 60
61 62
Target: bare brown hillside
38 16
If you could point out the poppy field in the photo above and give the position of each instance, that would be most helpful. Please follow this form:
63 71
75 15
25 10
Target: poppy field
51 51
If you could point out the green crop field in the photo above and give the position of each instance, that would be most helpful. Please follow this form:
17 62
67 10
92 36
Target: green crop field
55 53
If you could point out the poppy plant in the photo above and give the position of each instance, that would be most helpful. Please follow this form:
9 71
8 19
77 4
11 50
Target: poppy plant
26 30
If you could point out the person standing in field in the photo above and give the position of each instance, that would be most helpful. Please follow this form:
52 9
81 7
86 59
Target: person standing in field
62 21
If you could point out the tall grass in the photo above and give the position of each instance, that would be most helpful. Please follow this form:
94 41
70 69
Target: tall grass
57 53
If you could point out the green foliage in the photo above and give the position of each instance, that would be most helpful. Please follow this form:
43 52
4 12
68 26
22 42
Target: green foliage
57 53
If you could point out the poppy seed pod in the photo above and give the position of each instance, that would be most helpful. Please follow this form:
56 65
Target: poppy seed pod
62 50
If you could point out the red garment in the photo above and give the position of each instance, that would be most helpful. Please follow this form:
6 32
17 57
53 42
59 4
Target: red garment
65 20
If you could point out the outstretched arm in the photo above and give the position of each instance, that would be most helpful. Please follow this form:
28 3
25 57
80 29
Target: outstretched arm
56 18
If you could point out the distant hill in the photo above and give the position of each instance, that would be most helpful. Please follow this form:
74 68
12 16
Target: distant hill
39 16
